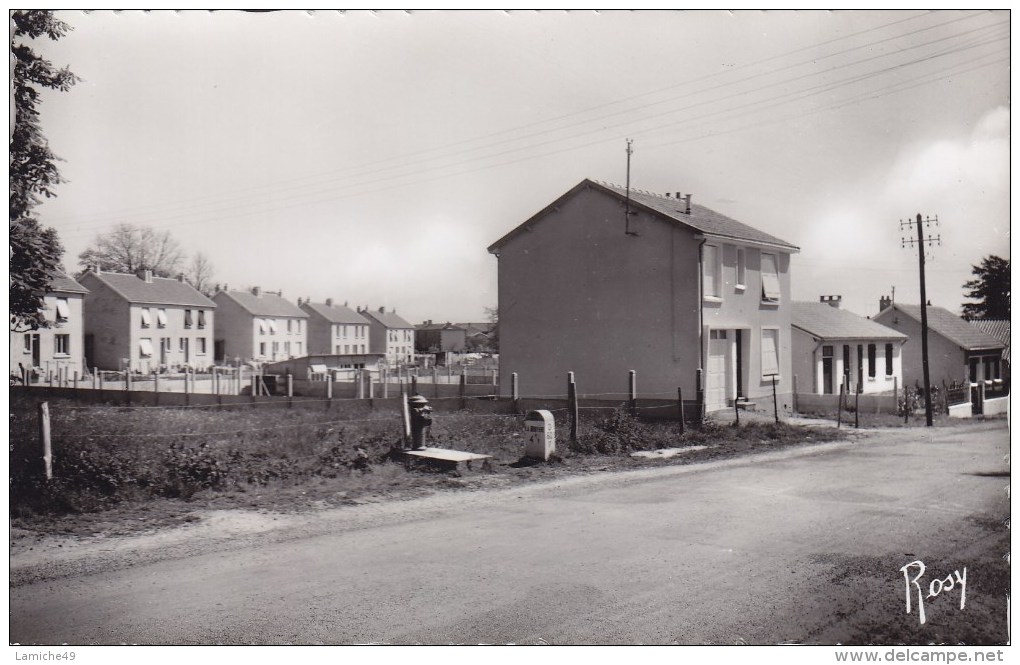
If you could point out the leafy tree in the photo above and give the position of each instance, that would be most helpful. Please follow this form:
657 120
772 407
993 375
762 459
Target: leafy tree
35 250
493 313
990 289
128 248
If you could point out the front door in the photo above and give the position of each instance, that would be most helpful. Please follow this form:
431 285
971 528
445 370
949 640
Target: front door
717 379
827 370
36 358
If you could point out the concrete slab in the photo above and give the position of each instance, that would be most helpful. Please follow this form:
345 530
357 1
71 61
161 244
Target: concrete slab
447 459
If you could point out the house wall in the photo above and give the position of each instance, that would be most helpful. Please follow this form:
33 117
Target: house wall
49 359
740 306
807 358
577 294
278 345
451 340
233 328
946 360
107 323
176 331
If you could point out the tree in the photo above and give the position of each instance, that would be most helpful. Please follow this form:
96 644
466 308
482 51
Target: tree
493 313
128 248
35 250
200 273
990 289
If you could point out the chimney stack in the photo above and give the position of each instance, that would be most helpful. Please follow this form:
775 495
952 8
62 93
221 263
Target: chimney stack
884 302
832 301
97 269
329 302
180 277
382 310
256 291
687 210
145 275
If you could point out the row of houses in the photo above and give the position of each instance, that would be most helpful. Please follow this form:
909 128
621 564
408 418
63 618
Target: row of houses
144 323
605 280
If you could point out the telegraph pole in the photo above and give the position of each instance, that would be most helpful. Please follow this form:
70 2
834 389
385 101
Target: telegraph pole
626 211
919 242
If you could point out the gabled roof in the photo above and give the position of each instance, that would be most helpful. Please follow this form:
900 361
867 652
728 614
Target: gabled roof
335 313
439 326
701 219
950 326
477 328
264 304
160 291
828 322
997 328
388 319
62 283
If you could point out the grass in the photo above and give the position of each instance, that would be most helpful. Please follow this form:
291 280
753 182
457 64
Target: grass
110 456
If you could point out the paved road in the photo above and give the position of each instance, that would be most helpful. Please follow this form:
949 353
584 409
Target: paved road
785 547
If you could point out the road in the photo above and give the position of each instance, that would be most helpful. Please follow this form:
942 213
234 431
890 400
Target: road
803 546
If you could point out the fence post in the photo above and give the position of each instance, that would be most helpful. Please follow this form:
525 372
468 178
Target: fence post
127 380
384 377
633 393
699 395
794 397
405 416
254 384
896 390
75 381
572 406
463 389
97 379
495 377
371 384
188 386
44 434
290 389
215 382
775 403
839 405
857 409
680 407
359 378
736 412
515 395
155 386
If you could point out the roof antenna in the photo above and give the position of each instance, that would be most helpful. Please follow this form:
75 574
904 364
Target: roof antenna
627 213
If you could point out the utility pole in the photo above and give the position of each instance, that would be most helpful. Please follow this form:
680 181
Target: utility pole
626 210
919 242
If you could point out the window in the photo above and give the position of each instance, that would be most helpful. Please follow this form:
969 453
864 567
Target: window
337 349
827 351
201 318
276 348
710 271
161 318
289 322
145 347
182 344
262 348
262 328
62 345
741 268
888 360
28 343
769 352
362 348
347 348
201 345
146 317
272 327
769 278
871 361
297 348
187 318
63 310
286 346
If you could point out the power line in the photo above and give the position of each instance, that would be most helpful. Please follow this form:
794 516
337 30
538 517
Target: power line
163 209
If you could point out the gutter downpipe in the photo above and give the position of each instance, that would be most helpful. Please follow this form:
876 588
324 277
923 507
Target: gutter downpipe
701 303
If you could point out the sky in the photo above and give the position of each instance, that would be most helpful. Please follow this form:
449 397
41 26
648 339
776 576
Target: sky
372 157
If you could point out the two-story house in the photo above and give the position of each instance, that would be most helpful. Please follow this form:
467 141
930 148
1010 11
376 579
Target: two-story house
390 334
604 280
833 347
432 337
258 325
60 346
335 329
146 323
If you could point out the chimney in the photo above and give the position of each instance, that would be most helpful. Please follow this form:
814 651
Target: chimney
345 303
832 301
382 310
145 275
299 301
687 198
884 302
180 277
329 302
217 289
667 195
256 291
97 269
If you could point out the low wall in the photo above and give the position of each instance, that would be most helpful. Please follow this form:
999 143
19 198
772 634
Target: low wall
995 406
811 403
961 410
